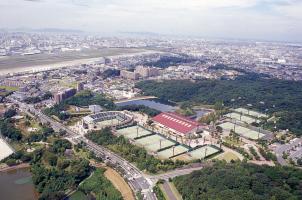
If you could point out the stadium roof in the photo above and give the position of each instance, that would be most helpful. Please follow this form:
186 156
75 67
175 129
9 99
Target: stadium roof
176 122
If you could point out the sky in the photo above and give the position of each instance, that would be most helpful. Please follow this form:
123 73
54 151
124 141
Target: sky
237 19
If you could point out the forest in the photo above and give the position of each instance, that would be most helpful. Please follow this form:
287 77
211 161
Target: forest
167 61
99 187
237 181
82 99
54 173
86 98
140 108
7 129
276 96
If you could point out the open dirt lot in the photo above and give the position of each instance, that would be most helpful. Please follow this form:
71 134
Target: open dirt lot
120 184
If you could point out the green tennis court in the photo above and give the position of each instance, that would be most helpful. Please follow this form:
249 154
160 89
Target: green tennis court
242 118
250 112
245 132
133 132
203 152
166 154
154 142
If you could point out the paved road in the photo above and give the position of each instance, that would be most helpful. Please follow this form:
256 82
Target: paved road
168 191
136 178
138 181
173 174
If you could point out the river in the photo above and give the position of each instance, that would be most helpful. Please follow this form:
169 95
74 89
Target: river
17 185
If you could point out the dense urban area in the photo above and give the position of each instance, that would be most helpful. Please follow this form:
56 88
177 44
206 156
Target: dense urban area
151 117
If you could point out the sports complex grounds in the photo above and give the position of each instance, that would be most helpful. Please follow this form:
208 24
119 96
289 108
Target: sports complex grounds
243 131
162 147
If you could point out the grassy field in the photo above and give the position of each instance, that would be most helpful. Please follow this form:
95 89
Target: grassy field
66 83
8 88
227 156
78 195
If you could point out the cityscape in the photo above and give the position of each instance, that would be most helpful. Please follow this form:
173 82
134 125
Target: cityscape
140 115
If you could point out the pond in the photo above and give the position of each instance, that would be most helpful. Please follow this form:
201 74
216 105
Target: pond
17 185
151 103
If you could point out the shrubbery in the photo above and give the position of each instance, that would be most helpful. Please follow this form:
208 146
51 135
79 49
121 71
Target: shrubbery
132 153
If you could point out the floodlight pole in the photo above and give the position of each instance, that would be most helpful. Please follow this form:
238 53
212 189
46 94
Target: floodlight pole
137 131
205 152
173 150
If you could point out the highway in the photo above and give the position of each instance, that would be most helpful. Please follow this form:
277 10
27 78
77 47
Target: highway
137 180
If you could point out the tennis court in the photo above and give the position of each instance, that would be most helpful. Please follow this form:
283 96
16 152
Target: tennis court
245 132
250 112
203 152
133 132
167 153
154 142
242 118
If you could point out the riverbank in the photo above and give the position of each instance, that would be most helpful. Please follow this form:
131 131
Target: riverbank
15 167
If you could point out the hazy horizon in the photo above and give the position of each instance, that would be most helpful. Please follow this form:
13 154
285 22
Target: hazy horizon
269 20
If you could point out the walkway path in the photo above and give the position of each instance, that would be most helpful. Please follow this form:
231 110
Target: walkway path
167 189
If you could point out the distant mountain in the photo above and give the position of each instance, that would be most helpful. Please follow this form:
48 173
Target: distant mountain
47 30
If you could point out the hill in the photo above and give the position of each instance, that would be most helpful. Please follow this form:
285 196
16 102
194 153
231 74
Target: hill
239 181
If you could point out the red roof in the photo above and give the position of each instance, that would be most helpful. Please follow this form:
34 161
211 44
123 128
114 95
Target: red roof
176 122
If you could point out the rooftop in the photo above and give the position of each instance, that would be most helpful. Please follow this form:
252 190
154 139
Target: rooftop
174 121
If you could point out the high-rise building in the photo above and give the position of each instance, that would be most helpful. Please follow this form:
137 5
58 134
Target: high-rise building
129 75
142 71
58 97
80 87
146 72
61 96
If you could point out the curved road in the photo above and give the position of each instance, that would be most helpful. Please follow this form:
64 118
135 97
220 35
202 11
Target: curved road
139 181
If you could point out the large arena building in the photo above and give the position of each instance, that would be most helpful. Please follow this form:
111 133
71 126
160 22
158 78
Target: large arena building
106 119
177 125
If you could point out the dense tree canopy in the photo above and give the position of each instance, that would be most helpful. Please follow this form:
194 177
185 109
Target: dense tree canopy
100 187
10 113
275 95
54 173
83 98
239 181
140 108
167 61
7 129
108 73
86 98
